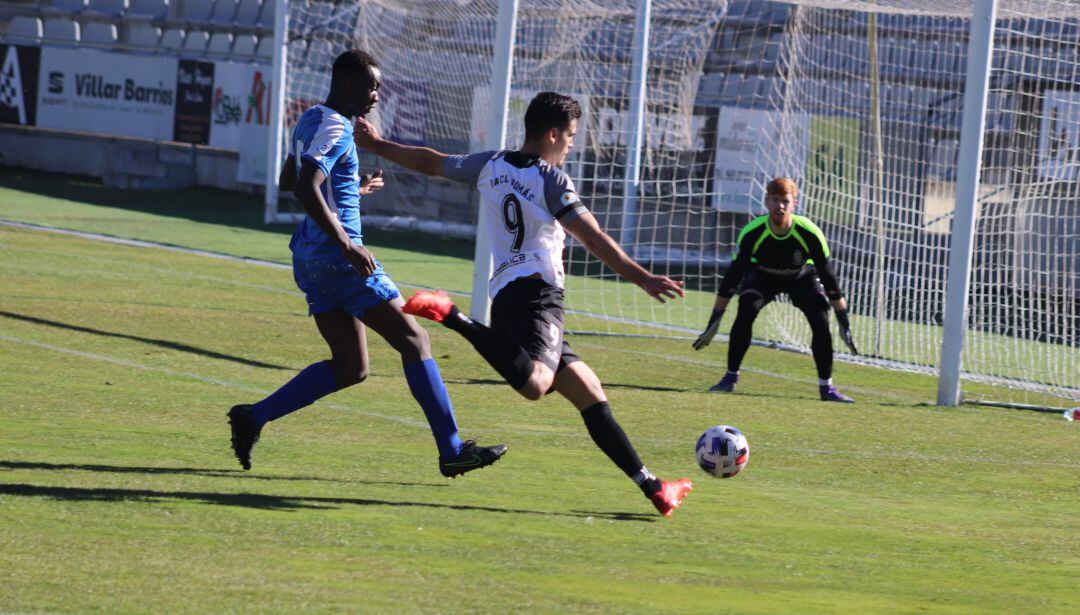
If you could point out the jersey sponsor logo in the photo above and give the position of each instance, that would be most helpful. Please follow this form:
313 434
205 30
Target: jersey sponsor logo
786 273
516 259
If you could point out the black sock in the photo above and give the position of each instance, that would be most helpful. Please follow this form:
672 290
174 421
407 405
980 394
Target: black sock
611 439
508 358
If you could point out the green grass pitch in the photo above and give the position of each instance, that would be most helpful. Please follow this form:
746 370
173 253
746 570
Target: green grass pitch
118 491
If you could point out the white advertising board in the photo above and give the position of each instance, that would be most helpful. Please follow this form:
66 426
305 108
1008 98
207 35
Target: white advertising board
752 147
98 91
240 116
667 131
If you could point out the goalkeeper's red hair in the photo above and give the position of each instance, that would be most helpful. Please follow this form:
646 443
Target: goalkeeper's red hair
781 186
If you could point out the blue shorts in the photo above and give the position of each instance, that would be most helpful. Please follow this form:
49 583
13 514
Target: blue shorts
335 284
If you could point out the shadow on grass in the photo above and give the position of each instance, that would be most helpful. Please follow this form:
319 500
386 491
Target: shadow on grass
607 385
276 502
207 205
146 340
210 472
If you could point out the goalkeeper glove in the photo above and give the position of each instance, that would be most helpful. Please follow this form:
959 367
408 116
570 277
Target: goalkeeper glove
705 338
845 330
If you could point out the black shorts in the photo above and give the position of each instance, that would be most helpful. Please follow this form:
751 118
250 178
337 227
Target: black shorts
805 290
530 312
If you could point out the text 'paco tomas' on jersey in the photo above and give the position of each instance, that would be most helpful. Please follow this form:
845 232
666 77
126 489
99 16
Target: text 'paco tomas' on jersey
518 187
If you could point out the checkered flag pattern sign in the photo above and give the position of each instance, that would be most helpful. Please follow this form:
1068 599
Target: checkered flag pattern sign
11 94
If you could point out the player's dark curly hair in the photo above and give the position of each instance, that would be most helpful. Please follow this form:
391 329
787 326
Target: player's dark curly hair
549 110
352 62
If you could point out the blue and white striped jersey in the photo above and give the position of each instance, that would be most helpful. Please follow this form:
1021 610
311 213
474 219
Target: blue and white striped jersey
325 137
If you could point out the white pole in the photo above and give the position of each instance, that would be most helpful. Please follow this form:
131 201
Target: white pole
501 72
639 74
878 184
277 109
980 52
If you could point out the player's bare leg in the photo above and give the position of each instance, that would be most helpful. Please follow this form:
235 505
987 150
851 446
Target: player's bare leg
579 384
406 336
346 337
539 383
348 365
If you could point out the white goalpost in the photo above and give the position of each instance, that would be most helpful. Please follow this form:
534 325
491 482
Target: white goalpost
968 166
937 144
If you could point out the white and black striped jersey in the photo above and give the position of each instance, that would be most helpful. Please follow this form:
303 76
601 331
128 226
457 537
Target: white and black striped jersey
524 198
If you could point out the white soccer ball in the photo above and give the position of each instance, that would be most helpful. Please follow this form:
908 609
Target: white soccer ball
722 451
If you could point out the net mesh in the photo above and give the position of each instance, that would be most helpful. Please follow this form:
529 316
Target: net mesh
860 102
882 95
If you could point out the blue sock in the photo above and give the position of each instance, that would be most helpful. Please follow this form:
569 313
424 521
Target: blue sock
427 387
314 382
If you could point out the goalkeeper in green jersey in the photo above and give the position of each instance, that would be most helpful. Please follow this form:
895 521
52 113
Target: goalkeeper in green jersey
781 253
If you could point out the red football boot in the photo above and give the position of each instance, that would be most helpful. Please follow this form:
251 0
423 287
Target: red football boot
671 495
431 304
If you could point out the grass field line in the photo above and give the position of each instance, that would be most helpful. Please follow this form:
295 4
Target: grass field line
264 263
128 363
192 376
716 365
154 245
534 431
187 275
138 243
520 429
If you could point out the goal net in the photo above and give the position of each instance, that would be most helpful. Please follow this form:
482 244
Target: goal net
859 101
866 112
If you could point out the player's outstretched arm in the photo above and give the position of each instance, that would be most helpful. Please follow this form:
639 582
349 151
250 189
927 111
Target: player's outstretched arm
585 229
422 159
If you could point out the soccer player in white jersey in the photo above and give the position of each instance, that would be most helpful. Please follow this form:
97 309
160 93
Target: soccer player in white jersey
346 288
528 202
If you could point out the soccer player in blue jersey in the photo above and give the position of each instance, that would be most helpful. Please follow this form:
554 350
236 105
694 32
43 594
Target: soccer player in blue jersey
346 288
781 253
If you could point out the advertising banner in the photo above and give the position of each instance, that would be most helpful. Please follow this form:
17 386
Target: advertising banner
752 147
194 91
1059 136
665 131
239 116
116 94
19 84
